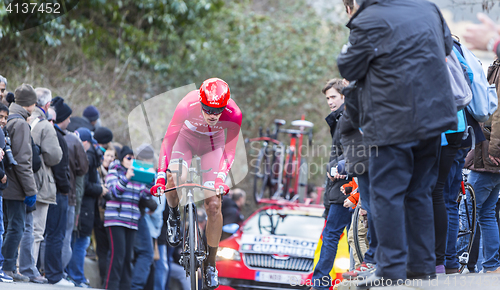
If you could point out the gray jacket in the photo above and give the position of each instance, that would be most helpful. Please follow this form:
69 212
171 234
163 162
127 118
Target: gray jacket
20 177
44 135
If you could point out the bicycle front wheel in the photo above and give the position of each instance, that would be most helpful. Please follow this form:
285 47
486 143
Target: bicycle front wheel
193 263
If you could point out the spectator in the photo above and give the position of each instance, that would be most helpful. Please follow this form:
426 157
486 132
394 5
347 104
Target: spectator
88 120
3 90
121 222
58 213
45 136
337 216
22 186
356 156
143 247
484 162
93 190
104 136
101 237
231 209
4 113
402 119
485 36
78 168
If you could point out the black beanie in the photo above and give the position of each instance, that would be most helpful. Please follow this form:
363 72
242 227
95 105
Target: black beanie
25 95
103 135
124 152
63 111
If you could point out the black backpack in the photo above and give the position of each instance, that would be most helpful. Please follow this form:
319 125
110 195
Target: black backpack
36 161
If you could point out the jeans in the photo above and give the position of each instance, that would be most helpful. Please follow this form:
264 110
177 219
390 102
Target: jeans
15 215
144 254
450 192
54 238
339 218
66 250
75 267
161 268
1 231
26 258
177 277
364 193
487 186
402 177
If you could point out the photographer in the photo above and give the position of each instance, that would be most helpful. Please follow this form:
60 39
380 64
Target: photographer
22 187
338 217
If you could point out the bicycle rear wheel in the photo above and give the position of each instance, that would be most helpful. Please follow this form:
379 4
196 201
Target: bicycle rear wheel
467 225
262 174
193 263
355 229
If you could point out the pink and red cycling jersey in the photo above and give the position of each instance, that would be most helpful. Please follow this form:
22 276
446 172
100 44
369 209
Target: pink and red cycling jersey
188 134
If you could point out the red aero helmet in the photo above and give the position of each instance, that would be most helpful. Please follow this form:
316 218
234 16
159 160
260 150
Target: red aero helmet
214 95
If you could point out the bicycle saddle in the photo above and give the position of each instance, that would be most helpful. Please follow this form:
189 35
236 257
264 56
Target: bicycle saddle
302 123
279 121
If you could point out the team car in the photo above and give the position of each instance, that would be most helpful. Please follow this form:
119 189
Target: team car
275 248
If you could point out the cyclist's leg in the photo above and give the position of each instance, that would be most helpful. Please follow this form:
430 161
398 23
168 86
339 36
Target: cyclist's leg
211 159
182 149
212 202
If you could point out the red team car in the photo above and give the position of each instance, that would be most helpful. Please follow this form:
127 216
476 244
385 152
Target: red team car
274 249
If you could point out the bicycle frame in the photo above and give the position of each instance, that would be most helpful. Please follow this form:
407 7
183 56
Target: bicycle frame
194 249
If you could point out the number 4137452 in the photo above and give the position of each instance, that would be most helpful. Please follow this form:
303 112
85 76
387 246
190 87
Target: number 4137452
32 8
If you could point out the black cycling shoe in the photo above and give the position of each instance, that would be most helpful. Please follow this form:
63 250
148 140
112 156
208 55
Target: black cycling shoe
211 278
174 228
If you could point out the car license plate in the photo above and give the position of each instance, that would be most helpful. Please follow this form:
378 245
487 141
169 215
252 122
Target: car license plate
277 278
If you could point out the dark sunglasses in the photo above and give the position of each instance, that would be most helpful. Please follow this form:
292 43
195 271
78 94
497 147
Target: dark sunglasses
129 158
212 111
3 90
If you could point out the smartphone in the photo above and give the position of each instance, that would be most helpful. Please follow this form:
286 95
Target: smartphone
333 171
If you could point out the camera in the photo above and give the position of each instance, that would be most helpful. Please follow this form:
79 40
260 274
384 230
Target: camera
10 161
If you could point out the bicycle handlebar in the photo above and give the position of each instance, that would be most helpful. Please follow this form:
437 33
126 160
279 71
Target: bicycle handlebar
191 185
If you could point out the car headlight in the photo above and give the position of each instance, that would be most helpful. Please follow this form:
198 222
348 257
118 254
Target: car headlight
342 263
228 254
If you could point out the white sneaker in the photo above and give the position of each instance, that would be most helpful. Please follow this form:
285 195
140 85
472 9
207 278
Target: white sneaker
64 282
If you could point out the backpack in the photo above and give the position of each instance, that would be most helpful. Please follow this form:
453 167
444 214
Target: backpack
484 96
36 161
459 85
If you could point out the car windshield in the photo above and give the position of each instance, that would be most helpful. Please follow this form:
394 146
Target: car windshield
285 223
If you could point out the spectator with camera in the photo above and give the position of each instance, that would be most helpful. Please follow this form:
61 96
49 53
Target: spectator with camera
93 190
45 136
338 217
22 187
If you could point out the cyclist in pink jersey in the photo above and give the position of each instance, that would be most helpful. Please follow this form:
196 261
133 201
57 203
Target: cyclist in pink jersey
198 128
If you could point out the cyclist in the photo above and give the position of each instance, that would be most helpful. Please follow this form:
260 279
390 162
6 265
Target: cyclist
197 128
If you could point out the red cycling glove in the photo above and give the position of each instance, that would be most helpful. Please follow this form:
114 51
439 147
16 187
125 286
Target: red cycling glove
219 182
160 183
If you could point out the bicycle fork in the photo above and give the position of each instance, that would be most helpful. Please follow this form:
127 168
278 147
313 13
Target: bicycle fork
200 255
